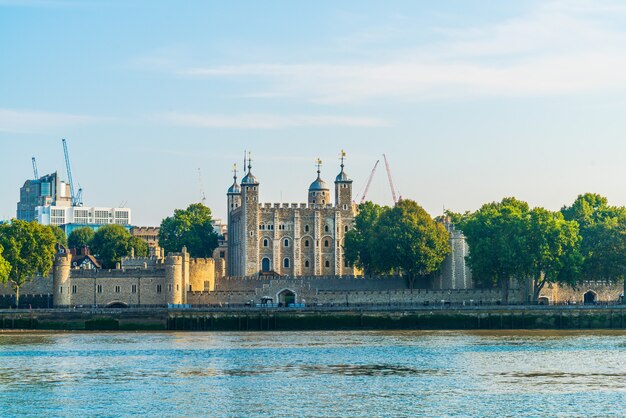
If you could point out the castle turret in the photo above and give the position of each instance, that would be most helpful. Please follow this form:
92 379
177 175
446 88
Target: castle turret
343 188
174 271
250 207
319 193
62 292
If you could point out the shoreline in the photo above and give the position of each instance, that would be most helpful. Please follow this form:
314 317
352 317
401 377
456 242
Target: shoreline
608 317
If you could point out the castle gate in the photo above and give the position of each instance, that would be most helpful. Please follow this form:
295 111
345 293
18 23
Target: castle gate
286 297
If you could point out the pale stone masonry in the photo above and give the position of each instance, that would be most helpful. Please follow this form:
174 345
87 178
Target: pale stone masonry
304 239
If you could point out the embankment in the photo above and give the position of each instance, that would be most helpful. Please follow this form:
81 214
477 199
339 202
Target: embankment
474 318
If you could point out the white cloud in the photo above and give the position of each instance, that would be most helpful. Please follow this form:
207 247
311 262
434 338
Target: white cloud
557 48
24 121
265 121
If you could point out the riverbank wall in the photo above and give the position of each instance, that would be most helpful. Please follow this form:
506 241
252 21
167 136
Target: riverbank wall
470 318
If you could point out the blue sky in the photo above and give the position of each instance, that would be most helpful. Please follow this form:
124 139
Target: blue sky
470 100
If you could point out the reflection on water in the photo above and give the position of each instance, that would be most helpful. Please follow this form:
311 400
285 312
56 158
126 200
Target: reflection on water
313 373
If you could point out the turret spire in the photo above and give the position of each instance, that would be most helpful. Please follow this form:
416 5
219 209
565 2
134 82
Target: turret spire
319 166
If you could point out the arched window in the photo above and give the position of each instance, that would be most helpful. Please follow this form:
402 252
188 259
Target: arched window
326 243
327 263
286 242
306 263
306 242
266 242
326 229
306 228
286 263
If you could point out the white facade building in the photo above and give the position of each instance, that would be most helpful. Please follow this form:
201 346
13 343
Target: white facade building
61 215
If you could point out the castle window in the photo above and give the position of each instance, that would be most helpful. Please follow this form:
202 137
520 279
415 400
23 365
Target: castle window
286 263
177 287
286 242
222 254
326 229
74 288
118 289
99 288
170 287
345 228
262 227
306 263
306 228
326 243
60 289
346 263
345 207
133 289
306 242
159 288
327 263
206 285
266 242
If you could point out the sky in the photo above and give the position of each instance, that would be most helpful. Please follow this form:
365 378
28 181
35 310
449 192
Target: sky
471 101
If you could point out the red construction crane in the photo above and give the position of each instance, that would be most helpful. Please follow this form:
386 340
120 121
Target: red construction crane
393 188
369 182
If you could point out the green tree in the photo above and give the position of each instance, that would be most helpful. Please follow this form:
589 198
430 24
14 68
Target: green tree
409 240
110 243
603 232
5 267
495 235
553 246
191 228
359 242
29 249
59 235
139 246
81 237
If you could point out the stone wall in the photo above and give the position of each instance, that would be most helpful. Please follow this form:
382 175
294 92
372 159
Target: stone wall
604 292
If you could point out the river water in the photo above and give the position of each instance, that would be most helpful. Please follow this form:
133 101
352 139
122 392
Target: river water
313 374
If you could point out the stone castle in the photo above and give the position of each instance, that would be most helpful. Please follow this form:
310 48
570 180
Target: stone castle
294 240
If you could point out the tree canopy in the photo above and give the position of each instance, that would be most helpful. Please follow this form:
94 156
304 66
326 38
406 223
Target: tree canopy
603 231
110 243
59 235
80 237
29 250
360 248
403 238
191 228
508 240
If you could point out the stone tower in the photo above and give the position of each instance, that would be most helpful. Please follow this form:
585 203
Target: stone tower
319 193
234 202
175 266
343 188
250 227
62 292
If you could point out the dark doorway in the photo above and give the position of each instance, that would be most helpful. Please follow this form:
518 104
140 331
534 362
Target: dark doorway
115 305
590 298
265 265
286 297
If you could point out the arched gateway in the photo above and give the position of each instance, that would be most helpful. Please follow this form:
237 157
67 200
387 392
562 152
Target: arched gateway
286 297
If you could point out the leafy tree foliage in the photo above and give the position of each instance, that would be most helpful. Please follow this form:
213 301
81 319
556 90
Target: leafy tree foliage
191 228
110 243
80 237
409 240
553 246
360 245
494 234
5 267
59 235
508 240
603 231
139 246
29 251
403 238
